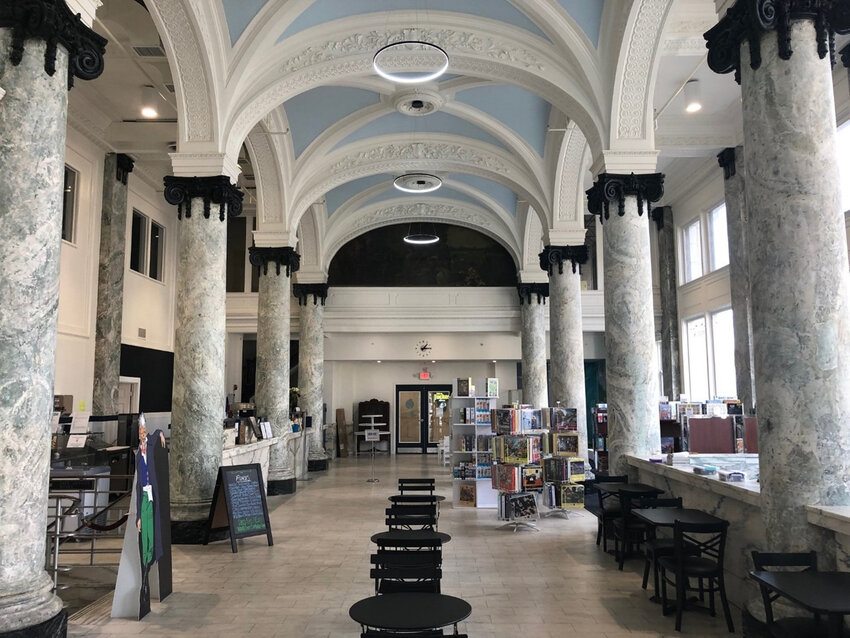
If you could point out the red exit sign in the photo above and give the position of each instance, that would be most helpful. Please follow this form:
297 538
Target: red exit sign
424 376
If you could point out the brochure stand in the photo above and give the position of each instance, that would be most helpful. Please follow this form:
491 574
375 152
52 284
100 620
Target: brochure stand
373 436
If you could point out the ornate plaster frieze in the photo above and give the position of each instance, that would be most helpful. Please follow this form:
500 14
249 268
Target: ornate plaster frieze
267 176
638 62
571 177
187 56
425 151
309 238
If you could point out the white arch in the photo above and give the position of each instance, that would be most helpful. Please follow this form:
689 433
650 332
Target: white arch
569 206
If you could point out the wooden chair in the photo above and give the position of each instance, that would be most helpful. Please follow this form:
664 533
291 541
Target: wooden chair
608 509
416 485
655 547
412 517
709 539
795 626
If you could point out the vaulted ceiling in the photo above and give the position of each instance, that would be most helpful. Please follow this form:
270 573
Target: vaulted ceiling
537 93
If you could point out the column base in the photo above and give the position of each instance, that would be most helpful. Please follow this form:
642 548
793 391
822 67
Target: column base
317 465
283 486
56 627
192 533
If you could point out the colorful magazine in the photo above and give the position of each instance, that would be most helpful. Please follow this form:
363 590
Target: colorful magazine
532 477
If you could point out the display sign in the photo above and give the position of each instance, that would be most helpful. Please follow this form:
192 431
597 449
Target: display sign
372 435
239 504
424 376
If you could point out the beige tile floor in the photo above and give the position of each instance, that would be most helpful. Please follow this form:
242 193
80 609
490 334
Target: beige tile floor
555 582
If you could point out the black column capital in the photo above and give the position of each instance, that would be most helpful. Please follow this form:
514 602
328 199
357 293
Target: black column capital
280 256
302 291
657 215
526 291
553 255
123 167
53 22
179 191
747 20
615 187
726 159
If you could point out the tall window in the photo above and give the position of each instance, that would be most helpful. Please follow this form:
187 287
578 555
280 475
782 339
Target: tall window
697 359
147 246
718 240
692 251
69 204
723 342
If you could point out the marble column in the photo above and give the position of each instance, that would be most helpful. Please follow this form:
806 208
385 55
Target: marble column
669 285
566 338
731 160
798 267
532 299
110 284
311 367
197 405
272 394
42 48
630 351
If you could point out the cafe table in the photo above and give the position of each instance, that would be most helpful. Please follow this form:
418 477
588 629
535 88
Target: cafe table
410 537
641 489
668 516
410 611
819 592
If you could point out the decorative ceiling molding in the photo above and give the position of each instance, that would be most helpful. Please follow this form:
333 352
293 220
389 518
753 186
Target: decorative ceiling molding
638 60
309 243
571 178
266 174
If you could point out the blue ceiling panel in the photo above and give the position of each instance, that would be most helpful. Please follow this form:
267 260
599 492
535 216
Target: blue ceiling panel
312 112
521 110
341 194
239 14
327 10
502 194
395 123
444 192
588 15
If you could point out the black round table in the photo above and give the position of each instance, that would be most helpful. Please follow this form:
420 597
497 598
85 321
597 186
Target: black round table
410 611
411 536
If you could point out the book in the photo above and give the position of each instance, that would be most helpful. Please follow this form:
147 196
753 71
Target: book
523 506
466 494
556 469
492 387
565 444
463 386
560 419
572 496
532 477
504 421
530 420
506 478
575 470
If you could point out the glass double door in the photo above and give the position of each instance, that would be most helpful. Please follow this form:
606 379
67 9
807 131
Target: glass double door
423 417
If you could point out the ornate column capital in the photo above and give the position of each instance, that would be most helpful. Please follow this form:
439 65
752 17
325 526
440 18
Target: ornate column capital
280 256
526 291
53 22
726 159
302 291
179 191
553 255
747 20
123 167
614 187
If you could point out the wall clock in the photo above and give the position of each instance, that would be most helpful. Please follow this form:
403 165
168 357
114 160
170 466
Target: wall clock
422 348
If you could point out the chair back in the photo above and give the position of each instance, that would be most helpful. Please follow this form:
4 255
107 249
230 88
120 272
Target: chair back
386 545
421 484
413 499
604 496
395 572
709 539
409 516
764 561
650 502
407 558
628 502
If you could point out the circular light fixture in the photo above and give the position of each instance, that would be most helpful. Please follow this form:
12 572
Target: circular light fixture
420 235
692 96
417 183
407 49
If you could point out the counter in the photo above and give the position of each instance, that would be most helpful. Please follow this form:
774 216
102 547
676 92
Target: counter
256 452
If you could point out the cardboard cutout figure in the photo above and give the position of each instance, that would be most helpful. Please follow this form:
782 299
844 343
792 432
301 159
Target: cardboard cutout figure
148 516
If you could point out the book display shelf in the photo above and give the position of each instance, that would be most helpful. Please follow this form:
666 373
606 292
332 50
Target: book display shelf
536 454
472 453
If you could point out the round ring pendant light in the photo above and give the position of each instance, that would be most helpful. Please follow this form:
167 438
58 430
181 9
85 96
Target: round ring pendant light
420 238
417 183
421 47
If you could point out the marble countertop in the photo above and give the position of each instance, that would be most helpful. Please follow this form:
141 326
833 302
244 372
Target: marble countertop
749 491
832 517
248 447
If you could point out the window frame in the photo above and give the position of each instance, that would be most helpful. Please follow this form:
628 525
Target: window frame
712 261
710 352
685 252
145 255
160 250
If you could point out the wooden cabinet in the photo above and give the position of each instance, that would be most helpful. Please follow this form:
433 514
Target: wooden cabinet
372 414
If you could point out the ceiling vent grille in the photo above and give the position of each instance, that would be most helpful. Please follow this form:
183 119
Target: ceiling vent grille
170 87
150 52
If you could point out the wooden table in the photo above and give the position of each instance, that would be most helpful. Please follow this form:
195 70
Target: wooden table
819 592
411 538
667 516
410 611
641 489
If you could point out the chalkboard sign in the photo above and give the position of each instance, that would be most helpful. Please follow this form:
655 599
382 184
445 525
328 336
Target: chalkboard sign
239 504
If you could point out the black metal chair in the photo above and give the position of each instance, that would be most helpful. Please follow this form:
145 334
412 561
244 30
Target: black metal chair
395 572
412 517
384 633
395 545
795 626
655 547
416 485
608 509
629 532
413 499
709 539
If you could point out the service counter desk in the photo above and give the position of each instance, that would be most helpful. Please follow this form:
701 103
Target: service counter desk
740 504
256 452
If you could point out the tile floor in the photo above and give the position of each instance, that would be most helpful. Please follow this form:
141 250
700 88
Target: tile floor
555 582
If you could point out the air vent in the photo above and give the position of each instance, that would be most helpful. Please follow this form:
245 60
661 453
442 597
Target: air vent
143 333
170 87
150 52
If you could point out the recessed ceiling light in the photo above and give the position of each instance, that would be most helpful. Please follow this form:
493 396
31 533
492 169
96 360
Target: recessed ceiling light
693 103
378 361
150 102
